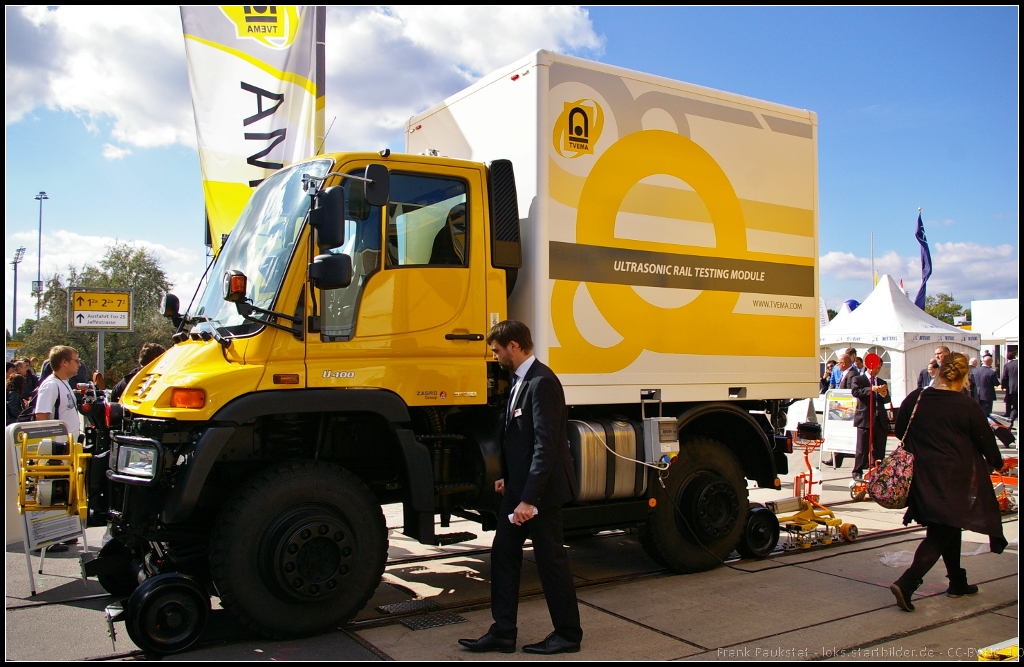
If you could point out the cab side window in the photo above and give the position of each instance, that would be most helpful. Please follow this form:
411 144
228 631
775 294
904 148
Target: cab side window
427 222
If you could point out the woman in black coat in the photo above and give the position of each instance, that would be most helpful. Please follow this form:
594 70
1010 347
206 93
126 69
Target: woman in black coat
15 403
954 452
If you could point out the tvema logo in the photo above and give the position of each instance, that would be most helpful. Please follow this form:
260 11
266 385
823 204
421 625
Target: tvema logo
273 26
578 128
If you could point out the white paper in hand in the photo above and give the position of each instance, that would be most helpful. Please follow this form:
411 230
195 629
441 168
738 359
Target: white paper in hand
512 517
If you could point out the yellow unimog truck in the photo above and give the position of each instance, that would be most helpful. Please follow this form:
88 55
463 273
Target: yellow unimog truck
659 238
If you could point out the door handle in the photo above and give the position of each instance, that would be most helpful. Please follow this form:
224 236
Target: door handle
463 336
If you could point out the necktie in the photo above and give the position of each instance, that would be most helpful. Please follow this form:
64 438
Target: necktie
511 398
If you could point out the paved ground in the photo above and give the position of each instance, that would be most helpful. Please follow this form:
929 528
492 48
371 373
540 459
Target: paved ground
825 603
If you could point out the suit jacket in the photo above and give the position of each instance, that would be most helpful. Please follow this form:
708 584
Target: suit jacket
535 459
985 382
862 391
848 376
924 379
1009 379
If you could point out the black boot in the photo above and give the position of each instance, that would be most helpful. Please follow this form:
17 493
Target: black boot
958 584
903 588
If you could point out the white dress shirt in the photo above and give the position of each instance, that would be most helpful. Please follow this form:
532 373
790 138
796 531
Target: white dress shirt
520 375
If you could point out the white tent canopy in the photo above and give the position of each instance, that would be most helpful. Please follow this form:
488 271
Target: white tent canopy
891 326
996 321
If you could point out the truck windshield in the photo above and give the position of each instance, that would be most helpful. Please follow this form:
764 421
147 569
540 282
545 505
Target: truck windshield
260 246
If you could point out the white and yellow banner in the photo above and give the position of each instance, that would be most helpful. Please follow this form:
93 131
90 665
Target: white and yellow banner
257 81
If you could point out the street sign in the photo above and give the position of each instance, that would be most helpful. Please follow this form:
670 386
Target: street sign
12 349
99 309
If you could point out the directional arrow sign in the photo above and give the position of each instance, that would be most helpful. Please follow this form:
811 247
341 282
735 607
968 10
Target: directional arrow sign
96 309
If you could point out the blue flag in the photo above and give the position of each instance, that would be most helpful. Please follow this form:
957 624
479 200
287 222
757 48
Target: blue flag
926 263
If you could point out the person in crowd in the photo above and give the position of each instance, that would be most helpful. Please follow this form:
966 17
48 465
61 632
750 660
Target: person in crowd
31 381
538 477
837 373
1008 382
953 449
56 399
147 354
15 403
984 382
973 364
872 393
11 370
924 378
826 381
858 363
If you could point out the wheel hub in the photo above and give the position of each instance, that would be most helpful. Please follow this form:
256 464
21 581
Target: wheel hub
308 554
711 506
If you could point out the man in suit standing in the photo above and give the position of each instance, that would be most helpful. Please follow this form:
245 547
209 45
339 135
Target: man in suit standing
1009 384
985 382
849 371
924 378
872 429
537 479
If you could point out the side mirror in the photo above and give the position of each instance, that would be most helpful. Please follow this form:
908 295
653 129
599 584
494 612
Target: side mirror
378 191
328 218
235 284
169 306
331 271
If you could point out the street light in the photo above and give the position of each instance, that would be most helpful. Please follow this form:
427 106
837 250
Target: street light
19 255
37 286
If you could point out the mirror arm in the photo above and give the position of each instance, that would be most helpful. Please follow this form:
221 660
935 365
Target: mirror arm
246 310
307 180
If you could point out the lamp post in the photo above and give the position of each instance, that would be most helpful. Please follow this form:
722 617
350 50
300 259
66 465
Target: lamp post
19 255
38 285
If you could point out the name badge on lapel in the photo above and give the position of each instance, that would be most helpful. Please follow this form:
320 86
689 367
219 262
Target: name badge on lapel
518 412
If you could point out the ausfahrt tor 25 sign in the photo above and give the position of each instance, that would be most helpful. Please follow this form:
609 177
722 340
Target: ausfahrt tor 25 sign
100 309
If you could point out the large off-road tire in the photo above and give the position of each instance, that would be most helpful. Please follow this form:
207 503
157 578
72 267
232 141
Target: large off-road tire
701 512
299 550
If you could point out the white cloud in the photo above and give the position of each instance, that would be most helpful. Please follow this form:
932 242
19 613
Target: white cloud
967 270
112 152
127 64
62 249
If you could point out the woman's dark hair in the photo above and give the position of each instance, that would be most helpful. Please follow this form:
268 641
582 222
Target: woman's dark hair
16 383
149 352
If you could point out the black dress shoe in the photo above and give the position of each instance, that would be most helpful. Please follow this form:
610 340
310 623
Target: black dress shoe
489 643
552 645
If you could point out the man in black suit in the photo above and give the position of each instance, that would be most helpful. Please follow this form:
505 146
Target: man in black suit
1009 384
872 429
848 370
537 479
985 382
927 374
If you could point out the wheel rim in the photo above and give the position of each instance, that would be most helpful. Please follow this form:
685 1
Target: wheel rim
711 506
307 553
762 535
167 614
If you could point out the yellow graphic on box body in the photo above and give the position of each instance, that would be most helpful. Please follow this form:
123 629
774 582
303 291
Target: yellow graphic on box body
274 25
115 302
578 128
706 325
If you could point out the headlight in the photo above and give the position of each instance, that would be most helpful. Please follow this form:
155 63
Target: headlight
137 461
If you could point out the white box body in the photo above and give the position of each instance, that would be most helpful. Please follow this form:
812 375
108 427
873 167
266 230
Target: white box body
670 231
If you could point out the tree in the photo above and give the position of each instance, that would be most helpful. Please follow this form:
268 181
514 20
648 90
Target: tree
832 314
943 307
124 267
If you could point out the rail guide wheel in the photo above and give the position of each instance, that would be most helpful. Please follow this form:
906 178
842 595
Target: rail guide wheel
167 614
849 532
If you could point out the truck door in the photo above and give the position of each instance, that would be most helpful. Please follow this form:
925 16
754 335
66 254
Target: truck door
413 319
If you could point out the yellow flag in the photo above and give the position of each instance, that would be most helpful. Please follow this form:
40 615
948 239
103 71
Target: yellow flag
257 81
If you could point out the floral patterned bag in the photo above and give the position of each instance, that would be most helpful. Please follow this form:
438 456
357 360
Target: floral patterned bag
889 482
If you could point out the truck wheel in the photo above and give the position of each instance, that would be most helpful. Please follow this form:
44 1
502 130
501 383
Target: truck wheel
120 581
701 512
761 533
299 550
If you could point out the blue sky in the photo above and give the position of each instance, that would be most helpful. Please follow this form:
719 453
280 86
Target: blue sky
916 107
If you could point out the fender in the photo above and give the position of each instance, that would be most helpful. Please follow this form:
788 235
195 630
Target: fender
737 430
389 405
